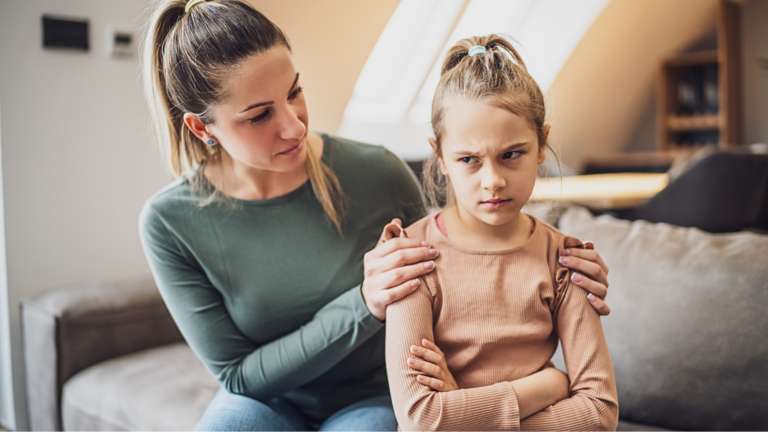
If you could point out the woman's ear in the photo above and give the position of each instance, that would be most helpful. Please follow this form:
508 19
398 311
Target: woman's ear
433 144
197 127
543 148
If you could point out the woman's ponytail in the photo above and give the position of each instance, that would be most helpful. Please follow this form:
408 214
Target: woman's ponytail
187 59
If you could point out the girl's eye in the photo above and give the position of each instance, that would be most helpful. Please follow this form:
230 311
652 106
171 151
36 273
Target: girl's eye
260 118
512 155
467 160
295 93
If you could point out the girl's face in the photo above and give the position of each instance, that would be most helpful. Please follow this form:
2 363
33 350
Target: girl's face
263 124
491 156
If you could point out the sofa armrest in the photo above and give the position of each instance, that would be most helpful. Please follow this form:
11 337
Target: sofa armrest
68 329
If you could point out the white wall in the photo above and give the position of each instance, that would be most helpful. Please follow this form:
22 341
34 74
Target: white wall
77 159
6 371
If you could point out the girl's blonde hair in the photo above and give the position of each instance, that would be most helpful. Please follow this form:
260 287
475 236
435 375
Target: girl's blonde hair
497 77
188 58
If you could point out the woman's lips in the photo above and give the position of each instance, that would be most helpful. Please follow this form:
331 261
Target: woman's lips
293 150
496 203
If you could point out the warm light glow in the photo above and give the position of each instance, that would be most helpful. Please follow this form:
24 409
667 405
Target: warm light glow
601 191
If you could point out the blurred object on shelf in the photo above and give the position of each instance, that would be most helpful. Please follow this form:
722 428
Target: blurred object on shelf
759 148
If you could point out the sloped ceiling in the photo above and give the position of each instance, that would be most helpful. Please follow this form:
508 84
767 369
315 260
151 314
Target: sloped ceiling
331 41
604 89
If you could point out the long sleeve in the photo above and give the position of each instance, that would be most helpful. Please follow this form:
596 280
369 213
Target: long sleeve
593 404
240 365
417 406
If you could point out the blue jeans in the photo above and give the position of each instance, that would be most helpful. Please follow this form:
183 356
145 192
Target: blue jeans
229 412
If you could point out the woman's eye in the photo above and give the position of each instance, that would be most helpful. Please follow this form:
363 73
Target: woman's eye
511 155
295 93
467 160
259 118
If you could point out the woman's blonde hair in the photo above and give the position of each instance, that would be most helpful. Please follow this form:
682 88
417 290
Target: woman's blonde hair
187 60
497 77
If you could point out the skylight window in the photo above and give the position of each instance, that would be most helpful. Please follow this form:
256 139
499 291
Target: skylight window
392 99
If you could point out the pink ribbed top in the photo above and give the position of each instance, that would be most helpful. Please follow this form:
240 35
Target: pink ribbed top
497 316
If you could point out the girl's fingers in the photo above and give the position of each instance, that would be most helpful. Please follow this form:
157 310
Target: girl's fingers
588 284
426 343
426 367
434 384
599 305
428 355
589 268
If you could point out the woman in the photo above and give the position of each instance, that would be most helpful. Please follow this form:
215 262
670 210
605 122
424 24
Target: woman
262 247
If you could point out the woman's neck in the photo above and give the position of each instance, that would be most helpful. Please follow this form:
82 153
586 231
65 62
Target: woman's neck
470 232
237 180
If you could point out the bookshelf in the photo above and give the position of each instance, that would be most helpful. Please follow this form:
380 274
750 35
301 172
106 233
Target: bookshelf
698 93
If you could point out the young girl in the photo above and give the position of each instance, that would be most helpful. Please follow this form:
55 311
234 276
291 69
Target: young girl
499 300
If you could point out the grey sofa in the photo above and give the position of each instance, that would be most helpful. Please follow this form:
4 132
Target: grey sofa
687 337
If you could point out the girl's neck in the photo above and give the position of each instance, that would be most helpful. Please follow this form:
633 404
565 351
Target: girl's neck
470 232
240 181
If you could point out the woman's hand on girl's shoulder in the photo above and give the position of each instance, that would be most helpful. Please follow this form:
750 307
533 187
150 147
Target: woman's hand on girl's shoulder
431 361
591 274
392 270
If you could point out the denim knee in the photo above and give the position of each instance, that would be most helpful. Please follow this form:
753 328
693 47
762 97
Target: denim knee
231 412
374 414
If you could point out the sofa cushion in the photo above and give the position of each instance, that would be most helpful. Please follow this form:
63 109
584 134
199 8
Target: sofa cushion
688 332
164 388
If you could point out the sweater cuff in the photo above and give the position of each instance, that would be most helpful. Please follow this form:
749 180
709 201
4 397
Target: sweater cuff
513 410
367 321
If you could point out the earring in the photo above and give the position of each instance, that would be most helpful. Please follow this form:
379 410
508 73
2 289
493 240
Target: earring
211 142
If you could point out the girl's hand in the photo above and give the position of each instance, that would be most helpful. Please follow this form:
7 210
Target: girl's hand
392 270
593 276
437 376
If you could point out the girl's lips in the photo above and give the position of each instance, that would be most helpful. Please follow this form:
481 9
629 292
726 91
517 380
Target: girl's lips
293 150
496 203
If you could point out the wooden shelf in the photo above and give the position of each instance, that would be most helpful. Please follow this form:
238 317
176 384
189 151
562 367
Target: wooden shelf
692 59
690 84
704 122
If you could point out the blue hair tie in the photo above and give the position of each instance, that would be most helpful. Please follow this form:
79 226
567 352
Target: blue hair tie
475 50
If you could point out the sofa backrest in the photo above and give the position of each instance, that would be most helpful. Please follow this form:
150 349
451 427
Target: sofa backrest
688 332
68 329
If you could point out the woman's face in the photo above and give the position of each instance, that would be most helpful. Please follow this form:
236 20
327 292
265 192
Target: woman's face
263 123
491 156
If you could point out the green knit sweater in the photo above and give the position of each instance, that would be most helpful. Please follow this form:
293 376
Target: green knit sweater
267 293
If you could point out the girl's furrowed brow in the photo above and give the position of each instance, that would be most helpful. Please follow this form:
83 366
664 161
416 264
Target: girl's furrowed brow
514 147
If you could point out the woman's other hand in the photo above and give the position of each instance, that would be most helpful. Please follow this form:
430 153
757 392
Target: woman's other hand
392 270
432 363
591 274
